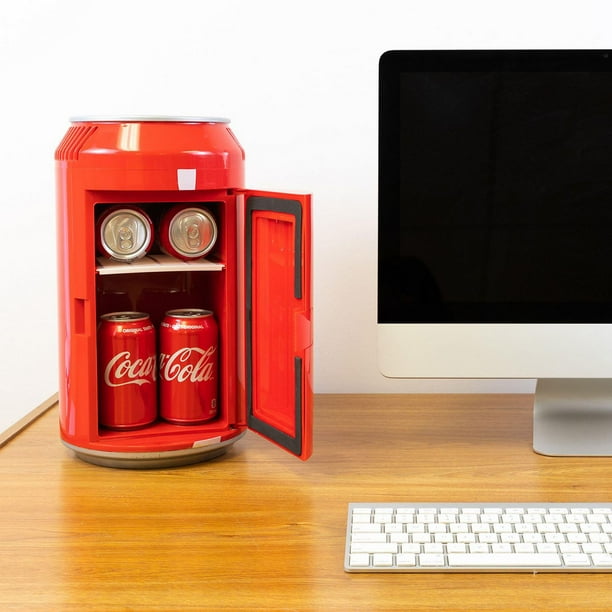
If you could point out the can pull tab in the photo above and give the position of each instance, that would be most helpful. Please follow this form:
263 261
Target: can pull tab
126 238
193 235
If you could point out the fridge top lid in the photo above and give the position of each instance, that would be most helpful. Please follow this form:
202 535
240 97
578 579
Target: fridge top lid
146 118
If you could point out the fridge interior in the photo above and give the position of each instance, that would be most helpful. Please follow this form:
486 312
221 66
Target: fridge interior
158 283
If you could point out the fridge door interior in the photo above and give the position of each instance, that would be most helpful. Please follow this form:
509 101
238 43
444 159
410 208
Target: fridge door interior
278 322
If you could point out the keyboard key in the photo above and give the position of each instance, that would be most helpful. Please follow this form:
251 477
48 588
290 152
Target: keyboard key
569 548
577 538
554 538
369 537
600 538
425 518
479 548
382 518
465 538
510 538
444 538
576 560
460 548
501 548
365 528
575 518
602 560
359 560
488 538
510 560
468 518
421 538
399 538
532 538
382 560
411 548
555 518
546 548
489 518
433 548
406 560
591 548
361 518
445 517
427 560
512 518
597 518
401 517
524 548
373 547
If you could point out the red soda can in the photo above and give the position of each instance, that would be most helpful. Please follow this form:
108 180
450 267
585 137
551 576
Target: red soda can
127 364
187 231
124 233
188 363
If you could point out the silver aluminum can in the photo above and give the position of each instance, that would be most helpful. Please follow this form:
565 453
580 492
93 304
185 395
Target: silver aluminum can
187 232
124 233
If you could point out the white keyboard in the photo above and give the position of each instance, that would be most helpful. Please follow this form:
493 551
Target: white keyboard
492 537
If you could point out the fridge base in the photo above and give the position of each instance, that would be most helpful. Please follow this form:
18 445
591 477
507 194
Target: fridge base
153 460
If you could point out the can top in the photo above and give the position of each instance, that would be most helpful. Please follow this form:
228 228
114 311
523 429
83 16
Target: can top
125 234
192 232
125 316
146 118
189 313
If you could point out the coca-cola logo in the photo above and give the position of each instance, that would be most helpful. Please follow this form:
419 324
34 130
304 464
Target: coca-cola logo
188 364
121 370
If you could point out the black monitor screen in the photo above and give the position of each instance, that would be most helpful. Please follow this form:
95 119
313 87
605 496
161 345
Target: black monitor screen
495 187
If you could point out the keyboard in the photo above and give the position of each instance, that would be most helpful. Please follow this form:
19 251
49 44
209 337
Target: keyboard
493 537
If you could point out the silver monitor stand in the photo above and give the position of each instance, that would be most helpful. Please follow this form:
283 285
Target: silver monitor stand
573 417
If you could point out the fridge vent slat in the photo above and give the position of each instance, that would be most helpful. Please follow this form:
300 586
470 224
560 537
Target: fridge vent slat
71 145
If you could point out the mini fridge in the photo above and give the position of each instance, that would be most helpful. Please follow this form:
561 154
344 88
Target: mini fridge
256 280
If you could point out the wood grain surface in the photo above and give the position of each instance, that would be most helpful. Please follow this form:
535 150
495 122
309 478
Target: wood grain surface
260 530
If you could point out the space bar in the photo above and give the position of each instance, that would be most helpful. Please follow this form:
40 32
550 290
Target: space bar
503 560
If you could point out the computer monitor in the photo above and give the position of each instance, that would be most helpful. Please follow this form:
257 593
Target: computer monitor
495 229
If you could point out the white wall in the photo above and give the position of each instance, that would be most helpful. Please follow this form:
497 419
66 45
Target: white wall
298 80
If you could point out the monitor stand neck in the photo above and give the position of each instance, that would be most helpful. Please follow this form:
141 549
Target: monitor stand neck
573 417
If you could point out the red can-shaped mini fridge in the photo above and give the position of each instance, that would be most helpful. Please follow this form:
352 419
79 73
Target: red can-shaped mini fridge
256 280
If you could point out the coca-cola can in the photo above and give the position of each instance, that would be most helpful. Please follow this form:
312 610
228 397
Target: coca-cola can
188 364
187 232
124 233
127 365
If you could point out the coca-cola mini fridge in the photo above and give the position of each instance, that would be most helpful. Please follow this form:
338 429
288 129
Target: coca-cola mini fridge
241 257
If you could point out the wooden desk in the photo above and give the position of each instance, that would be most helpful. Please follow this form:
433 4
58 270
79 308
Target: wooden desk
259 529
